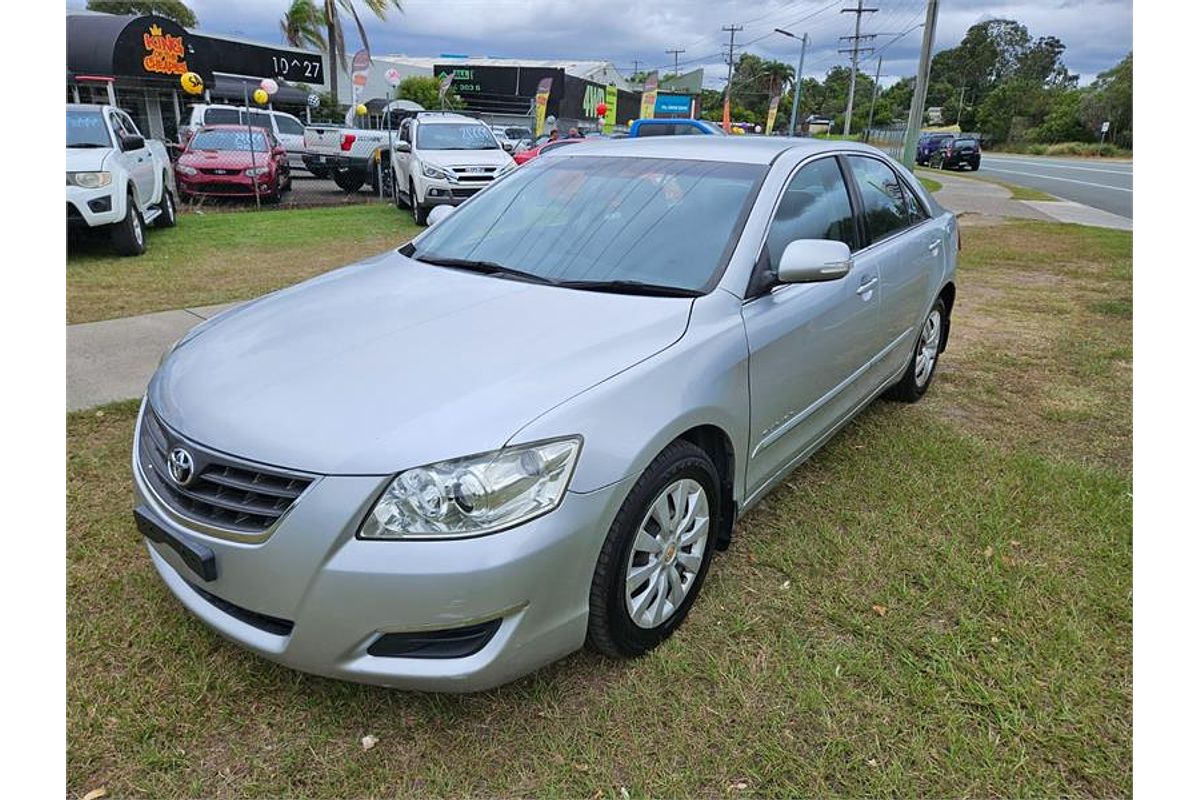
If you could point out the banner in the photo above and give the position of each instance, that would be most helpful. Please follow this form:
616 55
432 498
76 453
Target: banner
443 87
772 110
540 99
649 95
610 114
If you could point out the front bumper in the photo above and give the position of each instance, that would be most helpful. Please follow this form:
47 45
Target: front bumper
237 185
328 596
93 207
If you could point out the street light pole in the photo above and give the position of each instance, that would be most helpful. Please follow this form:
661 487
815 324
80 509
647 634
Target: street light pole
799 76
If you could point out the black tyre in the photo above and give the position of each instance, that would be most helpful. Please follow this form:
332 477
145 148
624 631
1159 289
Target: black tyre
657 552
348 181
272 197
129 235
397 196
166 208
931 341
420 213
974 167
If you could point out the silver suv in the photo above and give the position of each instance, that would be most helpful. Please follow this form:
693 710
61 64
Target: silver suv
532 426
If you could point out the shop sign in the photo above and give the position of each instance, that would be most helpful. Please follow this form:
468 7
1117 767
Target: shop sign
164 52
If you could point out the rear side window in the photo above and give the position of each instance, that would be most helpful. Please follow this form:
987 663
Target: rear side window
221 116
815 205
885 209
916 211
289 125
668 129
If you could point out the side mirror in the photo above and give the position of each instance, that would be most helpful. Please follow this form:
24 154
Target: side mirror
814 260
437 214
508 146
131 142
404 147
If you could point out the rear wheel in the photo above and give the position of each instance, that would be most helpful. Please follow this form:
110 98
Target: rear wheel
166 208
348 181
916 379
656 554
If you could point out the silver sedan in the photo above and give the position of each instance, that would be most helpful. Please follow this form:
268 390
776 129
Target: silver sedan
530 428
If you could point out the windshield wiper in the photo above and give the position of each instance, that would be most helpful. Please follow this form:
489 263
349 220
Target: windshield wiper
484 267
632 287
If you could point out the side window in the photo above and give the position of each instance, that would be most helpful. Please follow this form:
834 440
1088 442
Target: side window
655 129
406 131
289 125
221 116
815 205
130 128
916 211
884 206
258 119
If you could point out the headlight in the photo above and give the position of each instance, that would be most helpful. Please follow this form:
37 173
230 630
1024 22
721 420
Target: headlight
257 171
475 495
186 170
434 172
89 180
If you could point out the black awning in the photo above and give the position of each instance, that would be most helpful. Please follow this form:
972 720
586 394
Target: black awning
235 87
147 47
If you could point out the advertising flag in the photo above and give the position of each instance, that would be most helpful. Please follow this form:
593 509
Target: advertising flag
772 110
610 114
649 95
540 100
725 114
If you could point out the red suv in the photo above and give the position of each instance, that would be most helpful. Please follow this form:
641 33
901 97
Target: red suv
233 161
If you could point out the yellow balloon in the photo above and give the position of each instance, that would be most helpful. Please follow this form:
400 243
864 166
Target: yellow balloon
260 97
191 82
360 109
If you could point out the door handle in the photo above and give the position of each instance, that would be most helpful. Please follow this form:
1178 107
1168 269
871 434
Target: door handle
934 245
867 285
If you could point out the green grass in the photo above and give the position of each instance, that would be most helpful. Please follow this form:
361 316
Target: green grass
929 183
1081 149
218 257
1017 192
991 524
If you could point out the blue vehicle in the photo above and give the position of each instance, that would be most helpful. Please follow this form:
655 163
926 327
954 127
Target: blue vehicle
674 127
930 143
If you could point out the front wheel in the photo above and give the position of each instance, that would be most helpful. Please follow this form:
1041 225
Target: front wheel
656 554
974 168
420 213
129 235
916 379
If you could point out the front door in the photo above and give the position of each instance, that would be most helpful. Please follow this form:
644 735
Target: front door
811 344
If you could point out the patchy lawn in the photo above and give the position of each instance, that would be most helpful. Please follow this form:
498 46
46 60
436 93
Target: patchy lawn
1017 192
219 257
937 604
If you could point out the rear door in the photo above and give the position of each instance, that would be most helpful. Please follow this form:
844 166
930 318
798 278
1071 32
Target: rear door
810 344
904 247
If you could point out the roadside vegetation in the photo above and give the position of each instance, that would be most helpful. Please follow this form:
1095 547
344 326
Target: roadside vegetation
1083 149
937 604
221 257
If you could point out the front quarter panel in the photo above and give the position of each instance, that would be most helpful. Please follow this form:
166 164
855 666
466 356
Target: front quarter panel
629 418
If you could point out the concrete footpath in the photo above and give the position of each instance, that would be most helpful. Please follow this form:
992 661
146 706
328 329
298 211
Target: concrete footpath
114 359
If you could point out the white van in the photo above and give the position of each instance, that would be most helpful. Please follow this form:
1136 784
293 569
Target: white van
287 129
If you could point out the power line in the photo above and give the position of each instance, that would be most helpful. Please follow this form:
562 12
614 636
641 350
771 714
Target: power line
854 51
676 54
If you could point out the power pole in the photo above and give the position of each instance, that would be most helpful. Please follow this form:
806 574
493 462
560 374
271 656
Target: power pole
799 80
676 54
732 29
635 67
874 97
916 114
854 51
962 94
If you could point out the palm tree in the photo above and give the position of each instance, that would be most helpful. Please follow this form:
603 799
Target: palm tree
301 25
337 42
778 75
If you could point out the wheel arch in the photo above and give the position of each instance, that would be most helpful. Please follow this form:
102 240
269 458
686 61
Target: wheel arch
714 441
947 295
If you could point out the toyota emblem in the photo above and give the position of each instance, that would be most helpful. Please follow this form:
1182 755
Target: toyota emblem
179 463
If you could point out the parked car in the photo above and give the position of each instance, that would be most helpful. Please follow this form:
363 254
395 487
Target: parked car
287 129
511 137
116 180
442 158
357 156
532 426
956 154
674 127
928 143
233 161
545 147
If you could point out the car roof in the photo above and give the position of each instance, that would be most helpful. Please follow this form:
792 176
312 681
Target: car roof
230 126
435 117
739 149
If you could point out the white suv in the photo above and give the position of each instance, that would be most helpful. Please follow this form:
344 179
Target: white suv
443 158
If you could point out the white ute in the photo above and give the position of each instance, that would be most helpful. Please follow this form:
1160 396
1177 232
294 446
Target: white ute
116 179
442 158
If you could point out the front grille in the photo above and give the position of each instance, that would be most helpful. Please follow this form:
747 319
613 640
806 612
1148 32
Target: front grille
474 174
221 188
222 492
222 171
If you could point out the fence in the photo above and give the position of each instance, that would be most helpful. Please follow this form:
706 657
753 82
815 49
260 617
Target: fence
889 140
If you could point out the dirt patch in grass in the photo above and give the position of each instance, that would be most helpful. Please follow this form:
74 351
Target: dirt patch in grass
221 257
937 604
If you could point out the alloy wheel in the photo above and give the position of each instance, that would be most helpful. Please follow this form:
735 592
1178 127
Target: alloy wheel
667 553
927 349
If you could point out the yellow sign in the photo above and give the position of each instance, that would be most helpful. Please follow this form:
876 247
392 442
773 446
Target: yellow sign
650 95
540 101
191 82
772 110
610 113
165 53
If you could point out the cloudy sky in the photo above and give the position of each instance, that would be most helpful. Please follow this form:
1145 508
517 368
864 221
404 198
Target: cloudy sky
1098 33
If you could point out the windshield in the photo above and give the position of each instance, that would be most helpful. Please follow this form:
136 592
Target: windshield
86 128
450 136
665 222
518 133
964 144
227 140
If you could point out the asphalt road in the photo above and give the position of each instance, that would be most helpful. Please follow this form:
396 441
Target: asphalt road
1100 183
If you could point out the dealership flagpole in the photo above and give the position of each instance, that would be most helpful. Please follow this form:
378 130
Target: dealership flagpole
250 142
